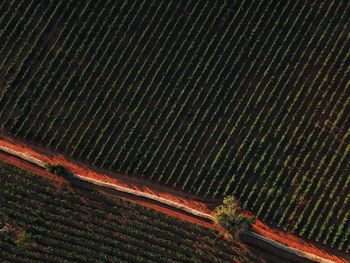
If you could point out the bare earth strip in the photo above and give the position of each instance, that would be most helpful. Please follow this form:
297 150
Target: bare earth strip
113 186
196 208
294 251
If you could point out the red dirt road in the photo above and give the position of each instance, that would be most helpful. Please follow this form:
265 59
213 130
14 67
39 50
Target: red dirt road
194 202
163 209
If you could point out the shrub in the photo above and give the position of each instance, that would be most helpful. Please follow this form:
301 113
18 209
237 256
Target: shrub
57 169
23 240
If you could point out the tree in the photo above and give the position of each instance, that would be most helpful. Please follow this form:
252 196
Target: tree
229 216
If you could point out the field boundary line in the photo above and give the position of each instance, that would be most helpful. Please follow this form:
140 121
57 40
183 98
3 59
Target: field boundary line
294 251
113 186
274 243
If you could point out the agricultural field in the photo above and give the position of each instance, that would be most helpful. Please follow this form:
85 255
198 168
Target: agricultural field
44 220
246 97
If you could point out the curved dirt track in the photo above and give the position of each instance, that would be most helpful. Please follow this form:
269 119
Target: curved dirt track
168 201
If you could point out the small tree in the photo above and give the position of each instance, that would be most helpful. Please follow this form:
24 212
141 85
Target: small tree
229 216
57 169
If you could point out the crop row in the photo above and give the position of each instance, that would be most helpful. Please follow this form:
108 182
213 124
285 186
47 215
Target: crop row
82 226
249 98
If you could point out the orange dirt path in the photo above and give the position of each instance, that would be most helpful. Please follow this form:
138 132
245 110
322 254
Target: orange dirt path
291 240
197 203
136 199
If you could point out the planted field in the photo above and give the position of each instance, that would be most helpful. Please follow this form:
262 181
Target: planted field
250 98
61 223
